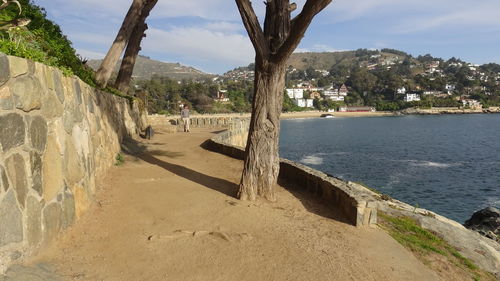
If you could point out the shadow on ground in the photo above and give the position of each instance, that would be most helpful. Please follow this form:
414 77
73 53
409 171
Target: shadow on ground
140 151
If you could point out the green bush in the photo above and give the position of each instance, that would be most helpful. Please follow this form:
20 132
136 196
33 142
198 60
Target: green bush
41 40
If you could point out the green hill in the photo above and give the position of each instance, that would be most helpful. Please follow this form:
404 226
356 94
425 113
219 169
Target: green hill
145 68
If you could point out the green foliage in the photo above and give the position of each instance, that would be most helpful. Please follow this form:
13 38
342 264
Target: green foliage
119 159
41 40
422 242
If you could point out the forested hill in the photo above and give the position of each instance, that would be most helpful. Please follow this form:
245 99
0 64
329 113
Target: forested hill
145 68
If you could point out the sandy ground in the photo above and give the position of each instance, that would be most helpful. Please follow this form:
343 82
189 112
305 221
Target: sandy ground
170 214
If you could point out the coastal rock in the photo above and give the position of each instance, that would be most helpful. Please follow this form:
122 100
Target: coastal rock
486 222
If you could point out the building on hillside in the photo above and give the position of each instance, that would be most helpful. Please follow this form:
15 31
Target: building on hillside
315 95
450 88
343 91
295 93
471 103
401 91
222 96
303 102
411 97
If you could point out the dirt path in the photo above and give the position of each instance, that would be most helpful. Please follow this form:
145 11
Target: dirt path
171 214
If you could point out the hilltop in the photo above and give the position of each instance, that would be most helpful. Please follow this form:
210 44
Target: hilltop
145 68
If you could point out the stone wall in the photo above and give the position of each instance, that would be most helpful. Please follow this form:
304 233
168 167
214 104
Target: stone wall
359 205
57 137
355 202
196 121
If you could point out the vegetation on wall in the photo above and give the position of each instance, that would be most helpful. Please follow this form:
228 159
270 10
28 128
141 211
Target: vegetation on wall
41 40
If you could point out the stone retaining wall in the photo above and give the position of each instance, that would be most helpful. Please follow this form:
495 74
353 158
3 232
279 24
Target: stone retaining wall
196 121
58 136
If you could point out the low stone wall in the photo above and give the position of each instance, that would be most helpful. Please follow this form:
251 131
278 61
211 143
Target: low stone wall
58 136
197 121
359 205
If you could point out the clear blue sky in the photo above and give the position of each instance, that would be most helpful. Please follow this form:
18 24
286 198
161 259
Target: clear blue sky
209 35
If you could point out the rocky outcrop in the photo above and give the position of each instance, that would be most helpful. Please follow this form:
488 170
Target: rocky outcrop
58 136
486 222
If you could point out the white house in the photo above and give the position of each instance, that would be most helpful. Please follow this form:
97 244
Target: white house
303 102
401 91
295 93
450 88
471 103
336 98
411 97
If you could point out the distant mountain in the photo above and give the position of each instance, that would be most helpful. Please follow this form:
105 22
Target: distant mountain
145 68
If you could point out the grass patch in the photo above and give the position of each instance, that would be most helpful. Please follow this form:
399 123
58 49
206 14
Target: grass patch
119 159
424 243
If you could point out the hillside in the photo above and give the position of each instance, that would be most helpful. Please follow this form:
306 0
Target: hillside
145 68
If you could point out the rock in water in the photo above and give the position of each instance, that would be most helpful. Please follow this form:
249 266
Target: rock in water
486 222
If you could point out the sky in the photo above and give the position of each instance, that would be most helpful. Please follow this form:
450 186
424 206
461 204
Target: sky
209 34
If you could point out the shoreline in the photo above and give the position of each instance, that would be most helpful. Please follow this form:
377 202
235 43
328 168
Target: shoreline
317 114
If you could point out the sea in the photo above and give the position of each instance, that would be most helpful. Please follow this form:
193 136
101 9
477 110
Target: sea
449 164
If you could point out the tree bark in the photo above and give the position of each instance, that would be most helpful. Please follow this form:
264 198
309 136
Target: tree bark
108 64
261 166
273 46
124 77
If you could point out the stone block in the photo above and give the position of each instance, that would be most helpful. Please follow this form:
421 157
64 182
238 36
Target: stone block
18 66
27 92
4 69
51 106
48 75
52 221
36 171
6 98
73 170
34 222
68 210
11 220
12 131
4 181
78 91
17 173
58 86
52 169
38 133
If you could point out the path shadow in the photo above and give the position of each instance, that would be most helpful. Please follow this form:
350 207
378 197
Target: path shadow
136 149
313 203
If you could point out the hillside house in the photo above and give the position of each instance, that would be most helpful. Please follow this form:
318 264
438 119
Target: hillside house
303 102
401 91
295 93
471 103
450 88
222 96
411 97
343 91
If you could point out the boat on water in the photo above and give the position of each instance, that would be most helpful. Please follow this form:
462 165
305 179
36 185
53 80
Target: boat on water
327 115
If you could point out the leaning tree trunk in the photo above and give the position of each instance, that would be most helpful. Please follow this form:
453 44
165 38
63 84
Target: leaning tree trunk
261 168
108 64
124 77
273 46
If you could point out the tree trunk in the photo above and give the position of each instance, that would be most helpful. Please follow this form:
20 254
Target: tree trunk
273 46
108 64
261 168
122 82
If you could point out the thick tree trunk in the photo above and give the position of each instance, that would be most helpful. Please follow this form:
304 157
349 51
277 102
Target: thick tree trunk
122 82
108 64
261 168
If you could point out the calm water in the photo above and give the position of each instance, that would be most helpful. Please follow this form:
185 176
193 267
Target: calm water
447 164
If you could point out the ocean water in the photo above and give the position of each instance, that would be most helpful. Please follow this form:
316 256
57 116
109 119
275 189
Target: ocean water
449 164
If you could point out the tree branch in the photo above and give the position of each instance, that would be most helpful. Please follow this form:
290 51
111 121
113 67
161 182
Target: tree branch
299 26
253 28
